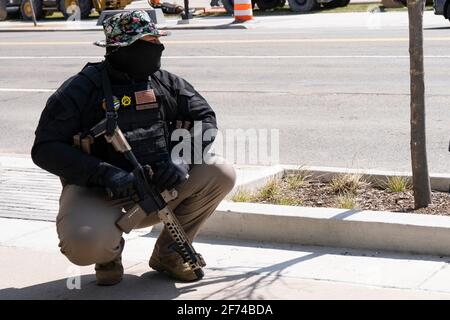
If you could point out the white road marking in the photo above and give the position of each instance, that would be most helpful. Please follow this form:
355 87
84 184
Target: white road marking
233 41
25 90
48 57
234 57
305 57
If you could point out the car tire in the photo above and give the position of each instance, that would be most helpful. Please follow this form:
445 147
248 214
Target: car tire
14 15
268 4
447 11
336 4
343 3
25 9
302 6
85 7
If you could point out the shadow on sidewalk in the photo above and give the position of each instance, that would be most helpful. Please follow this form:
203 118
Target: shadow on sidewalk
150 285
245 286
155 286
240 281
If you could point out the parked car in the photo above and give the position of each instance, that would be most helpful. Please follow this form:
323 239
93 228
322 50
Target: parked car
442 7
44 8
301 6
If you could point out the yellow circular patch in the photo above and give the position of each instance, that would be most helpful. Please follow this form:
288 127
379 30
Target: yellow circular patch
126 101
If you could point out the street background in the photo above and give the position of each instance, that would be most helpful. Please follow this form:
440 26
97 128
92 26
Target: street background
338 95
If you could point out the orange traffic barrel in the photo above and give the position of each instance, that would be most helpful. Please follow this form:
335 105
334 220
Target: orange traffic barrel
243 10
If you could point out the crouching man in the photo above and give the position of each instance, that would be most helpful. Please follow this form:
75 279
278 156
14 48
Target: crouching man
149 104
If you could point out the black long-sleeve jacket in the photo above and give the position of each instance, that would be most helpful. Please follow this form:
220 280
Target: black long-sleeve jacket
77 106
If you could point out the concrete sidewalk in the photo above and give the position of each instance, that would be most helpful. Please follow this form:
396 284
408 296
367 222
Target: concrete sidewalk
32 268
28 192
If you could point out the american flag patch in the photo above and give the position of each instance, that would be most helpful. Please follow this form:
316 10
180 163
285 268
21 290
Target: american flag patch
145 96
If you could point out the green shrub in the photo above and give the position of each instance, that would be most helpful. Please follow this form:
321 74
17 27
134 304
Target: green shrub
270 191
397 184
346 201
288 200
298 179
243 195
347 183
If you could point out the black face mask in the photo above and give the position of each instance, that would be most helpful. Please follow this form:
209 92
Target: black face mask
138 60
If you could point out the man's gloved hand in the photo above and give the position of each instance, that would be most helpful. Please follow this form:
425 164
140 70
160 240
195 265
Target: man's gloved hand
167 175
118 183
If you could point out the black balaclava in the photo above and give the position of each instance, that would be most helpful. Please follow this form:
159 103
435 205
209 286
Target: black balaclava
139 60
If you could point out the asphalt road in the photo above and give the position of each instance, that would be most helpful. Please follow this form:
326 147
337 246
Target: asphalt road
338 96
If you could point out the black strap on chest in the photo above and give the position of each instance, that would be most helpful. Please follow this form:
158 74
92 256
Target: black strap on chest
111 113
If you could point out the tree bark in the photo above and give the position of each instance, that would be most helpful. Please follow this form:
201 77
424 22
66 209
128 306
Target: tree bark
421 179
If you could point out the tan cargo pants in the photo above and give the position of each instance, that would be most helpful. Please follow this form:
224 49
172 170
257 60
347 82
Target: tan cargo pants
86 220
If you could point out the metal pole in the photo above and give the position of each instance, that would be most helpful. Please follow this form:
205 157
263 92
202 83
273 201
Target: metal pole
186 15
33 15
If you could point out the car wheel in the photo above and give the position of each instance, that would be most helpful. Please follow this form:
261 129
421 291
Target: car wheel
75 8
447 11
336 4
267 4
302 6
26 11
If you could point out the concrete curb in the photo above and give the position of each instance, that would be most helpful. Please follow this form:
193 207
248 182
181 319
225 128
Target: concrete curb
174 27
375 230
413 233
206 27
254 179
439 181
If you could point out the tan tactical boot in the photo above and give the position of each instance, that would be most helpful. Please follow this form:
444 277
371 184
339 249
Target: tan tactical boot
173 266
110 273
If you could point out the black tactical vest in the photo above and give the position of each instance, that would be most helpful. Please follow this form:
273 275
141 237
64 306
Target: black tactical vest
140 117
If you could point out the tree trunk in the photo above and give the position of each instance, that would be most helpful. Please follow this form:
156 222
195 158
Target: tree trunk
421 179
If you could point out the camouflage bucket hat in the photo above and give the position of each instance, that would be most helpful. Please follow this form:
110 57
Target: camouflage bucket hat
124 28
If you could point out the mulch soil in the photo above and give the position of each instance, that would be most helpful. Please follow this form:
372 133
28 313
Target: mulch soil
320 194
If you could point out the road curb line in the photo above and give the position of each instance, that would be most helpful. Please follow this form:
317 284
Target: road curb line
177 27
438 181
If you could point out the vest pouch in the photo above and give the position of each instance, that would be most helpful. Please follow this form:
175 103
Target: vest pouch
149 144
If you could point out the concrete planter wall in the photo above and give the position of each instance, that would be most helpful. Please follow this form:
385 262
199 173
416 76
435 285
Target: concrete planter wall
414 233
